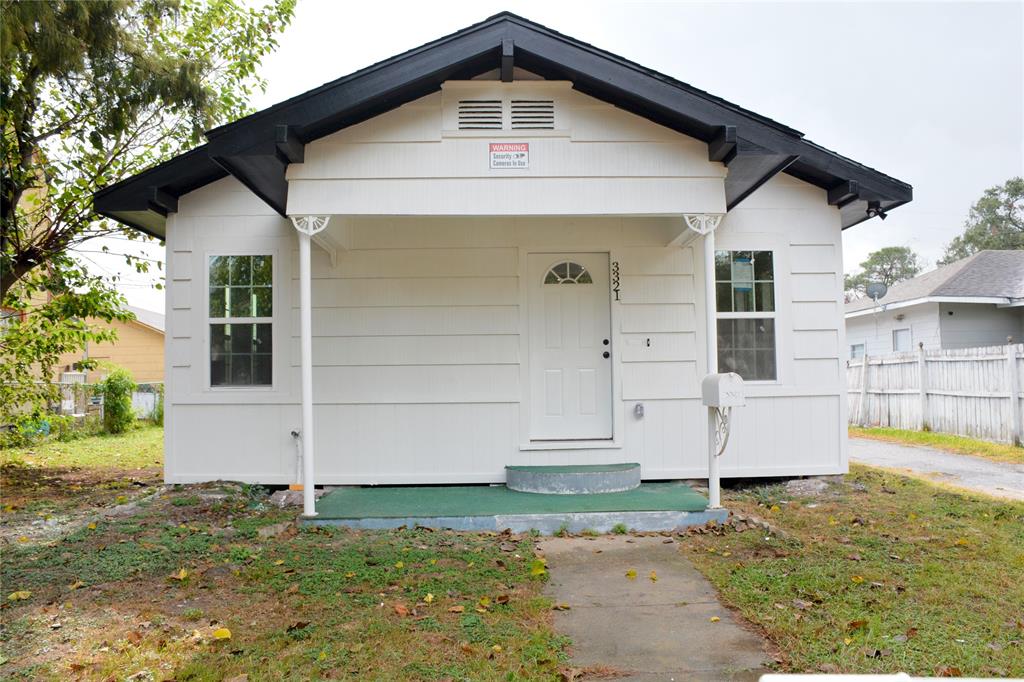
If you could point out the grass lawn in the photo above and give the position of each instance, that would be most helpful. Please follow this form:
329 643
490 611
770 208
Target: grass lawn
879 574
158 585
1000 452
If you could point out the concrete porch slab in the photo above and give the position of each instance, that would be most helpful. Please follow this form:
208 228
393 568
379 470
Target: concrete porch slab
652 506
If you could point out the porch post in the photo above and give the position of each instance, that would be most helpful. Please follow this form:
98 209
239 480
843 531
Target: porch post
307 226
705 224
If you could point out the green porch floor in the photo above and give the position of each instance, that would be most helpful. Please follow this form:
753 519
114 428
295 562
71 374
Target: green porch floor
482 500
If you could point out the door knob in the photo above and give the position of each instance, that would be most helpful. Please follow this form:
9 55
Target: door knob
605 342
606 354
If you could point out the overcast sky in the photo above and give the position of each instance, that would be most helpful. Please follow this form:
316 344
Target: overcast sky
929 92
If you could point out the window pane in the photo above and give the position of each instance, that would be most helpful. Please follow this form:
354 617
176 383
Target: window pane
218 343
585 278
264 301
551 278
723 297
262 270
240 338
743 297
765 296
722 266
241 269
901 340
261 369
218 302
264 338
241 370
240 301
742 267
763 265
219 270
747 347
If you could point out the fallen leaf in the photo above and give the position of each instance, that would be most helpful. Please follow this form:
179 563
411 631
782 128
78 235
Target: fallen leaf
75 585
279 562
538 567
774 508
857 579
485 602
714 619
631 574
322 656
350 574
948 671
292 589
92 526
802 605
180 575
561 606
221 634
847 641
429 598
297 625
401 609
456 609
501 599
19 595
356 648
856 624
653 576
496 648
854 557
399 565
23 538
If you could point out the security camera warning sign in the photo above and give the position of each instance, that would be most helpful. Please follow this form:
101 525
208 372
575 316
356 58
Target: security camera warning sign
509 154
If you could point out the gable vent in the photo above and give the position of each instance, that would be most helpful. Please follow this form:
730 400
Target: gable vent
480 114
533 114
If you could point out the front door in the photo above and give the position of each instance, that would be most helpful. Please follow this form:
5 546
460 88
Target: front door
570 347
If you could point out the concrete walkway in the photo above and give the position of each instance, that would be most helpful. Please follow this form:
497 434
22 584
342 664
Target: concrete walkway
975 473
648 630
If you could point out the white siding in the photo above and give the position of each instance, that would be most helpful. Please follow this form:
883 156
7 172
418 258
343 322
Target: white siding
971 325
874 330
418 327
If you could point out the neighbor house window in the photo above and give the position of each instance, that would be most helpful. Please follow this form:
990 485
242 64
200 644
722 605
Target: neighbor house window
745 292
241 308
900 340
856 351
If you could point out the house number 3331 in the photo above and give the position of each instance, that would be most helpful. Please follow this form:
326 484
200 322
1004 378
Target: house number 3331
615 279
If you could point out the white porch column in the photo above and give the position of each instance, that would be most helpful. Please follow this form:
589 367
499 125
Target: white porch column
307 226
705 225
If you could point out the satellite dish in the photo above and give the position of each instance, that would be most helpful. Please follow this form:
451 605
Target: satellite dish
876 290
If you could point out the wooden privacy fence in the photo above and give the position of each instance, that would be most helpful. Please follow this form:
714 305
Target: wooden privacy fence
972 392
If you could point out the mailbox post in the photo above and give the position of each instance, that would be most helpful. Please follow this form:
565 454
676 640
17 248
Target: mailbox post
720 393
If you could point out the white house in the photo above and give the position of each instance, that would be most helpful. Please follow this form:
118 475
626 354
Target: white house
975 301
525 250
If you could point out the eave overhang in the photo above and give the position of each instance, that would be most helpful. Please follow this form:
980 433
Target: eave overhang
258 148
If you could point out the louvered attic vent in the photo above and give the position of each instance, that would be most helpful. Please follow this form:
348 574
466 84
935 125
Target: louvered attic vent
533 114
480 114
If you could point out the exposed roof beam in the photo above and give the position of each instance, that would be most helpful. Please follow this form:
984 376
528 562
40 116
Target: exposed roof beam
289 146
508 55
843 193
723 146
162 202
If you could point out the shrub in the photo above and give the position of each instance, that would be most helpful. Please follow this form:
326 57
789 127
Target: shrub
157 415
116 389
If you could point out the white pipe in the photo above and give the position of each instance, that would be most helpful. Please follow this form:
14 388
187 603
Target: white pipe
306 331
711 325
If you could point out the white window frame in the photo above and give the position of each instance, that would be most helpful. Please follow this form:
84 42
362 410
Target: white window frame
910 337
863 350
757 314
274 264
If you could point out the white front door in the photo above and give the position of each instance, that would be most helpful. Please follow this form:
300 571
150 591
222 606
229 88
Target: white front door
570 346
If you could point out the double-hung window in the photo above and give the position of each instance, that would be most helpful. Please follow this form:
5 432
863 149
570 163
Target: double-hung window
241 308
745 292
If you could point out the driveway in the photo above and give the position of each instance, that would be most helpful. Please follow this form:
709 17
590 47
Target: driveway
998 479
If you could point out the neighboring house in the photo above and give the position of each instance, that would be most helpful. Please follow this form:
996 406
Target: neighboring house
975 301
139 348
526 250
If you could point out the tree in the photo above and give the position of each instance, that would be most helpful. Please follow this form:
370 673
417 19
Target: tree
91 93
996 221
887 265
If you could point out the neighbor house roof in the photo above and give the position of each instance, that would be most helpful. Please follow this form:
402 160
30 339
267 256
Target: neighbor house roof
258 148
149 318
992 277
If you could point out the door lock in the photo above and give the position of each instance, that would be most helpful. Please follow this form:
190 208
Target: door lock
605 342
606 354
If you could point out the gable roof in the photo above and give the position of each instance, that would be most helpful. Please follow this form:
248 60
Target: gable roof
257 149
985 275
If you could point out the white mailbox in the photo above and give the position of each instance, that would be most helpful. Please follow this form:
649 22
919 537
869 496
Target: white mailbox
723 390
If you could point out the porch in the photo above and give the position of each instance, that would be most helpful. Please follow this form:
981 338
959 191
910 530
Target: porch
652 506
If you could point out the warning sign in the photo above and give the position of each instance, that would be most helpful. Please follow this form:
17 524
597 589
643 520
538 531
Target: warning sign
510 154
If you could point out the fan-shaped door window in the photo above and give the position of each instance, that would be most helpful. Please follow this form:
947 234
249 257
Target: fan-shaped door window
568 272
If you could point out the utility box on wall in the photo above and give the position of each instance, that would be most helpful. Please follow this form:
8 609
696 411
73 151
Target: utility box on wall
723 390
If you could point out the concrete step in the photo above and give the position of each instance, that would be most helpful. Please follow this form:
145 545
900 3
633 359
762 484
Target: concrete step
584 479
